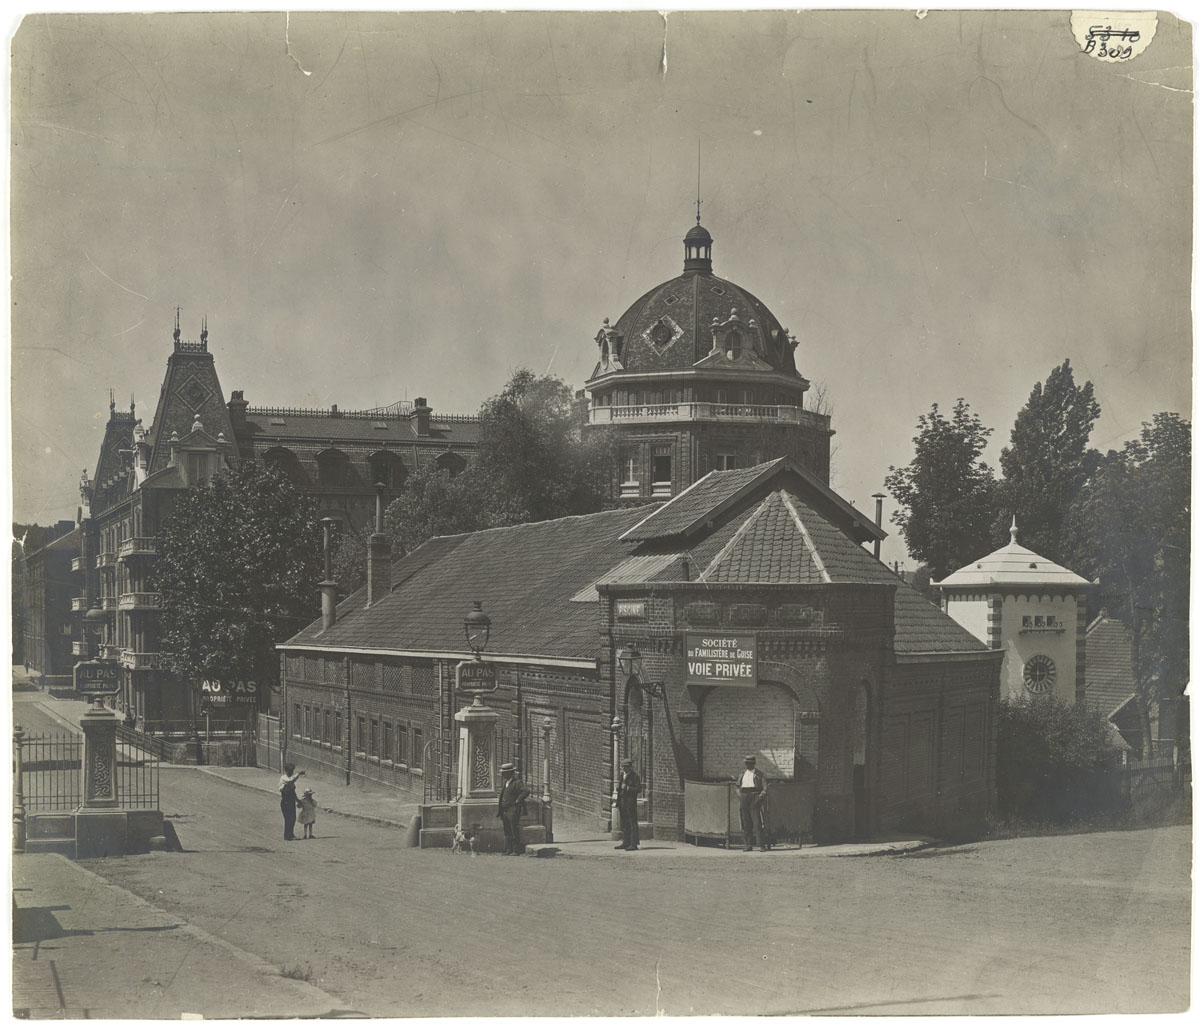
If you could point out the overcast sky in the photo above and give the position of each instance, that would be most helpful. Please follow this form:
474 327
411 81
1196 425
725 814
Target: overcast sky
368 207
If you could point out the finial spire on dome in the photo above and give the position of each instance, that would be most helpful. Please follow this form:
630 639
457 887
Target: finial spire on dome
176 333
1012 531
697 181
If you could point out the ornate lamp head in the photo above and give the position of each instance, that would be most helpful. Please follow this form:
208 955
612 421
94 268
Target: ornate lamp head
477 627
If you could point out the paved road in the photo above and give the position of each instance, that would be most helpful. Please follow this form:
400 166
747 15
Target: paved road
1087 923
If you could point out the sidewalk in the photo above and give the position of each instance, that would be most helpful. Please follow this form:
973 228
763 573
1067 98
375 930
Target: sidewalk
85 948
573 839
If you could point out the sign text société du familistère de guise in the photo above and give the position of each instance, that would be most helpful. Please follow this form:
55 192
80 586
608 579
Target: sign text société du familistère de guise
725 660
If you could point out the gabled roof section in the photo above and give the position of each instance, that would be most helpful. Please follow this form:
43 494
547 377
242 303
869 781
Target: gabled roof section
747 362
662 566
772 546
718 491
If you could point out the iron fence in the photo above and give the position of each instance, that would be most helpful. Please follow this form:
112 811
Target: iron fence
52 775
440 765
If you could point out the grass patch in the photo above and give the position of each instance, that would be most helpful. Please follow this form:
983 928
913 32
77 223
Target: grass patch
1175 810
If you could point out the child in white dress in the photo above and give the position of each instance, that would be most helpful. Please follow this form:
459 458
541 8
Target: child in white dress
308 813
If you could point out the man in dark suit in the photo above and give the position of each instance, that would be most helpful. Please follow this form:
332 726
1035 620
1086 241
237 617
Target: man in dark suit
512 803
629 786
752 802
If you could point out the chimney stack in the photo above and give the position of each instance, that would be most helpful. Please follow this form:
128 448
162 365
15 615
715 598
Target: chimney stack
420 416
329 585
379 554
878 497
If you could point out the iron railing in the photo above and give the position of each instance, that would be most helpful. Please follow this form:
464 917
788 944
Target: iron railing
439 762
51 773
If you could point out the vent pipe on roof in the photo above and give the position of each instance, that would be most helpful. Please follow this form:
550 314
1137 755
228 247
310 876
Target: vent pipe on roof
379 555
329 585
878 497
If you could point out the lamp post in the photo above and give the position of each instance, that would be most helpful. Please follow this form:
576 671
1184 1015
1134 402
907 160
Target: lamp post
615 729
477 789
547 726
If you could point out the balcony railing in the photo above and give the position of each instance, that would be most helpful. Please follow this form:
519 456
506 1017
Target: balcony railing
651 412
138 547
108 603
104 559
110 651
140 601
79 648
78 563
79 605
141 660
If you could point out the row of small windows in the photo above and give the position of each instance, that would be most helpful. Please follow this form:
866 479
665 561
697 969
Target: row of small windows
1033 622
660 469
397 742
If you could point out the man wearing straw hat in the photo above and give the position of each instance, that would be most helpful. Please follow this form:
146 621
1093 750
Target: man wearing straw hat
512 802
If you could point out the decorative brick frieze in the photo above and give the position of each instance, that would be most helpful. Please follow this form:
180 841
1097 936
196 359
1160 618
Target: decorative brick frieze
746 614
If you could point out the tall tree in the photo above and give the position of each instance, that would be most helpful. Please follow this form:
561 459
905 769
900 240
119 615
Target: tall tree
945 495
239 561
1134 532
532 464
1046 463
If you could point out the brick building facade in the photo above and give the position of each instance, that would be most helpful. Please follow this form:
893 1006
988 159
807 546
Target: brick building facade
869 703
50 568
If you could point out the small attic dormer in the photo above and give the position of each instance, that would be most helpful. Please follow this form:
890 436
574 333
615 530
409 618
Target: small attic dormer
198 456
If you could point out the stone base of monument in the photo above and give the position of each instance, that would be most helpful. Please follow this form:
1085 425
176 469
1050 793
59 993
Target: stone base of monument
94 833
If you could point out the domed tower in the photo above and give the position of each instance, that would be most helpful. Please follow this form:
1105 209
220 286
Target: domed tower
699 375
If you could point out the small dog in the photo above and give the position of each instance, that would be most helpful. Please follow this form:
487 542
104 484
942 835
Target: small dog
463 842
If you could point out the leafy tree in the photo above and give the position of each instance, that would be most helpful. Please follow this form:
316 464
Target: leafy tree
1047 463
1049 758
532 464
436 502
349 558
945 495
1134 527
239 561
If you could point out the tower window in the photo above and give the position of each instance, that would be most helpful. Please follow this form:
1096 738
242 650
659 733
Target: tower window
733 345
660 469
726 461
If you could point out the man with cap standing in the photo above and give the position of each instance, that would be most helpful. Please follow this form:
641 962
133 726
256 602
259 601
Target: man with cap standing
512 801
629 786
752 800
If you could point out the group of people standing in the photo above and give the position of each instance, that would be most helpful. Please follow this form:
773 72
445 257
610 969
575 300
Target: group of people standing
289 804
752 804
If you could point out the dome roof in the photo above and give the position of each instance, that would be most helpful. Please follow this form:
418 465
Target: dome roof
671 326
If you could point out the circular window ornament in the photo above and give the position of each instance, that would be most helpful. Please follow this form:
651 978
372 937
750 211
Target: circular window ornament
1040 675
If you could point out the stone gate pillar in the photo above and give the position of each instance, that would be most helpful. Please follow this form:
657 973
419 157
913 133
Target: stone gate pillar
478 795
100 825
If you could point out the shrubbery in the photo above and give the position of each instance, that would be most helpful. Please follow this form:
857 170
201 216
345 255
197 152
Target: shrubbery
1052 761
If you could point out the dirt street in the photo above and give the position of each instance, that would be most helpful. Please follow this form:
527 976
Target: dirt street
1088 923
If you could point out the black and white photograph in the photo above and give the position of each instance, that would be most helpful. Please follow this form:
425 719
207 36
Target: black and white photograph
734 464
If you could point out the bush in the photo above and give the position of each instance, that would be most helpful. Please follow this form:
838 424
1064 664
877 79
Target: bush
1053 761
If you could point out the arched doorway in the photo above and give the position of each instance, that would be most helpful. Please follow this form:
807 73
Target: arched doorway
780 727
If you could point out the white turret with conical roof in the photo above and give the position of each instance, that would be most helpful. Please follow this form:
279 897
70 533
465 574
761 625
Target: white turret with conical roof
1032 608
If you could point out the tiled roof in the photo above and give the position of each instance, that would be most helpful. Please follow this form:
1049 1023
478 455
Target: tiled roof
260 430
694 504
770 547
694 507
1012 564
524 576
1108 674
532 580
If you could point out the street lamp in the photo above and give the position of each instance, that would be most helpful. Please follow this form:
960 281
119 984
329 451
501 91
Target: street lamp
477 626
629 659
